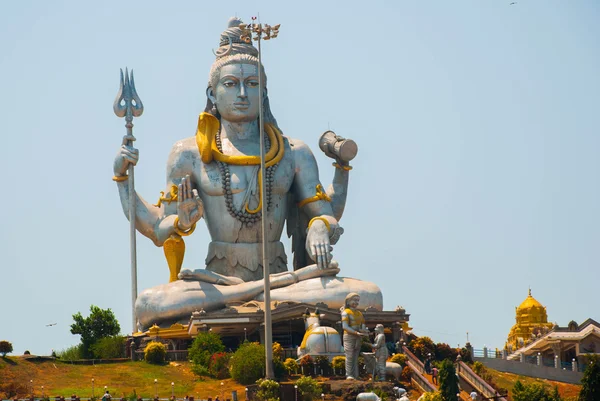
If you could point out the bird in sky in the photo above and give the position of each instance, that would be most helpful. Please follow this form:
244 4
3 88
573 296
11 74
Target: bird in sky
51 324
514 2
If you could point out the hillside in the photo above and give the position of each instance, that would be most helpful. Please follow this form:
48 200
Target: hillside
508 380
121 379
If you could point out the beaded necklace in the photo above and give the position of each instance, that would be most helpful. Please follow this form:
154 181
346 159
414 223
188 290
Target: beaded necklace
244 215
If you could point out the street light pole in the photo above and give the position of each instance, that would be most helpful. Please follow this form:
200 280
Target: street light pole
155 388
269 32
172 389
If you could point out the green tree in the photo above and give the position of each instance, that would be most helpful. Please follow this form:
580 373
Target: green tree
532 392
448 381
5 348
247 363
204 346
109 347
590 384
422 347
99 324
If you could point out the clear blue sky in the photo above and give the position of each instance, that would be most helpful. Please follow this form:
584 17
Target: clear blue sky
477 176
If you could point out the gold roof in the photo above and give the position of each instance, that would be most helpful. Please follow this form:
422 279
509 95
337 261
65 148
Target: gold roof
529 302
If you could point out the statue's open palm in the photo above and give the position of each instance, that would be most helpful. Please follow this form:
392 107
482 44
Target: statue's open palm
189 205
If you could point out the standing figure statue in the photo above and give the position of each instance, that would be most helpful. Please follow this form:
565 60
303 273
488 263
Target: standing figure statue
354 327
381 352
215 176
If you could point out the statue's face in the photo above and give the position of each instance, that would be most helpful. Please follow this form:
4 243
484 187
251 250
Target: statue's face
353 302
237 93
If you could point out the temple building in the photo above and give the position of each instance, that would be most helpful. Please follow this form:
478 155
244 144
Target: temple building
532 323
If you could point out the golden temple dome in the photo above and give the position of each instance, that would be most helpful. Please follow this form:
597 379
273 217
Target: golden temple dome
529 303
531 322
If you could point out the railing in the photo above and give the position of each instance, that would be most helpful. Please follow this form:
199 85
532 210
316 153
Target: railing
413 358
172 355
476 382
419 380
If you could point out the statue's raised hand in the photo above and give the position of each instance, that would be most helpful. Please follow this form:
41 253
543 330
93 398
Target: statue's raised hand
317 244
125 156
189 205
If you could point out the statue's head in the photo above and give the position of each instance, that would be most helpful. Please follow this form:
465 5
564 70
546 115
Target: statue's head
233 89
379 329
352 300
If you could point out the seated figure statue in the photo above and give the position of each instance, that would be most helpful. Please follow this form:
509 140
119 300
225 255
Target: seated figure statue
215 175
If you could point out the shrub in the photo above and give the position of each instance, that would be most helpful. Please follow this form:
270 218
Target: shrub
204 346
308 387
338 363
478 367
381 393
400 359
532 392
27 352
405 375
268 390
5 348
291 366
247 364
199 370
431 397
155 353
465 355
323 364
278 368
277 350
218 366
307 365
72 353
109 347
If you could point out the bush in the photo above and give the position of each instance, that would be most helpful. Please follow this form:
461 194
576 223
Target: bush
109 347
72 353
323 365
278 368
247 363
155 353
291 366
218 366
338 363
381 393
199 370
5 348
533 392
277 350
204 346
478 367
307 365
431 397
27 352
400 359
308 387
405 375
268 390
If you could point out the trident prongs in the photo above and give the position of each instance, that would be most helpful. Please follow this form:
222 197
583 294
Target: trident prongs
127 103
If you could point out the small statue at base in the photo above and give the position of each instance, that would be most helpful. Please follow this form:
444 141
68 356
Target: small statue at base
381 353
354 327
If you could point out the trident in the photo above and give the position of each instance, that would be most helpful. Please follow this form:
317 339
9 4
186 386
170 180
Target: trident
128 105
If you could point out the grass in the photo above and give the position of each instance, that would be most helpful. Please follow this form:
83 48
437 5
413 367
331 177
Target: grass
121 379
508 380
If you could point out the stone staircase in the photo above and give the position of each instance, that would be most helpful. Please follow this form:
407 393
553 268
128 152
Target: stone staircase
424 381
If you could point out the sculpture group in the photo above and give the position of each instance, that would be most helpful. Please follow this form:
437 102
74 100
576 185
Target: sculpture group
215 176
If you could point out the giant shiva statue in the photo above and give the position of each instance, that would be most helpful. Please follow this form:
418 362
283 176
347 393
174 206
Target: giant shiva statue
215 176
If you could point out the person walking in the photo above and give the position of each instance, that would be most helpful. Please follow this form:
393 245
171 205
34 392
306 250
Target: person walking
434 375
